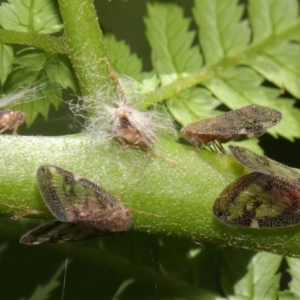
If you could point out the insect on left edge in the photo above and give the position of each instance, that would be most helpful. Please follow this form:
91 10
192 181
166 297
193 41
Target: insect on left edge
11 120
83 209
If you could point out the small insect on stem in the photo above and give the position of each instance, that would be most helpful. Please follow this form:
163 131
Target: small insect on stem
128 124
269 197
83 209
131 126
116 115
247 122
11 120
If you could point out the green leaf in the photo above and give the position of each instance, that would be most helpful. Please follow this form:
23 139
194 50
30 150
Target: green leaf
233 268
31 58
235 69
123 61
27 15
272 16
44 291
40 99
57 67
192 105
260 281
49 73
221 33
294 270
280 65
240 87
60 71
171 42
148 81
287 295
6 62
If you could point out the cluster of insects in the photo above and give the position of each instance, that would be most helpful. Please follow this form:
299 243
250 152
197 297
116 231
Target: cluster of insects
83 209
265 198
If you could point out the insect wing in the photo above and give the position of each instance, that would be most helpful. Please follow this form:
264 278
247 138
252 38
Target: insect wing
259 201
248 119
263 164
59 232
77 200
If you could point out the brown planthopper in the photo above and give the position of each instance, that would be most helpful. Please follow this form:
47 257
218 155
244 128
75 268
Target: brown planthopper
247 122
83 209
269 197
11 120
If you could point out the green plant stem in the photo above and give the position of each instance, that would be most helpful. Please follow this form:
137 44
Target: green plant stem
174 88
48 43
170 190
85 44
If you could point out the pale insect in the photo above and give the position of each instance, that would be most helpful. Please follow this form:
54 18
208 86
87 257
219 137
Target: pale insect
117 115
266 198
130 125
247 122
84 210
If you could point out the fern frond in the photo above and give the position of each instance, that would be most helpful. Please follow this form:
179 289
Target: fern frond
235 66
38 16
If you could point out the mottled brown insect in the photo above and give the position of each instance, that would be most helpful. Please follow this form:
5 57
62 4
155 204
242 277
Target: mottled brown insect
83 209
237 125
262 164
11 120
266 198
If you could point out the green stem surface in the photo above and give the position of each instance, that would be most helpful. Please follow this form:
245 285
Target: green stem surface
85 45
170 190
48 43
